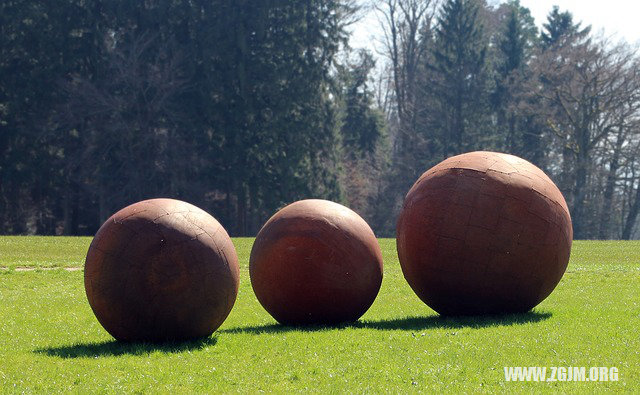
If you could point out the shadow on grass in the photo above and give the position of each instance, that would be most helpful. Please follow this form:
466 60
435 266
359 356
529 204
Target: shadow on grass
407 323
115 348
440 322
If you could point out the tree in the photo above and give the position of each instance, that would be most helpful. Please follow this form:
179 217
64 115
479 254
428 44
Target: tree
364 138
560 29
631 219
407 26
272 103
617 147
225 104
128 124
408 33
459 64
40 43
362 125
516 43
587 90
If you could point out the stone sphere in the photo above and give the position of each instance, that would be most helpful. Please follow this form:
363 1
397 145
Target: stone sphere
484 233
316 262
161 270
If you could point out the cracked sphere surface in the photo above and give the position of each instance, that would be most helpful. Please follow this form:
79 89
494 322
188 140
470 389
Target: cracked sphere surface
484 233
316 262
161 270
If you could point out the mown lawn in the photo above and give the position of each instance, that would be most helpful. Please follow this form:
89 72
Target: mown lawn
51 342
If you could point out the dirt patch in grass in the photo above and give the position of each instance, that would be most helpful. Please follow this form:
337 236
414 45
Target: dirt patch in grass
31 268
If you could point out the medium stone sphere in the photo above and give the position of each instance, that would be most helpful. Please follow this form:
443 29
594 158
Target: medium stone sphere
484 233
161 270
316 262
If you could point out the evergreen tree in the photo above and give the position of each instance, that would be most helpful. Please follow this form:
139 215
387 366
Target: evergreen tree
515 47
364 139
459 64
222 103
560 29
362 125
518 39
272 105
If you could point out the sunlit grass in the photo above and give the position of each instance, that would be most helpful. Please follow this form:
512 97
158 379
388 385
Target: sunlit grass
43 251
51 342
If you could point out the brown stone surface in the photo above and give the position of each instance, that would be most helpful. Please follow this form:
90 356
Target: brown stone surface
316 262
484 233
160 270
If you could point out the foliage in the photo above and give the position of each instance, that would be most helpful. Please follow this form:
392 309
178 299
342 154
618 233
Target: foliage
225 104
459 66
563 99
241 108
362 126
560 29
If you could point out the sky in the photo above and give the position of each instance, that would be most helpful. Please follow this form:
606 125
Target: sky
616 19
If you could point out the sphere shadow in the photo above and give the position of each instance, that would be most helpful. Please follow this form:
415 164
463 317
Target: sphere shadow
115 348
407 323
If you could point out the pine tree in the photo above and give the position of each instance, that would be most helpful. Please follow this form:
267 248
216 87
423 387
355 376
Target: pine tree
459 65
518 39
560 29
362 125
364 139
515 46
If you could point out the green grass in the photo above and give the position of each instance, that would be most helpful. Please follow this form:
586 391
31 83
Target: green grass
43 251
51 342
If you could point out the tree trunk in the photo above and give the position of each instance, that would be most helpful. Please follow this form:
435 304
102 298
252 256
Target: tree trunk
459 119
566 174
241 213
103 210
605 214
511 133
66 212
632 216
70 210
579 196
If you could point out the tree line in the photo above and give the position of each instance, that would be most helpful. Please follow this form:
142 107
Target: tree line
464 76
242 107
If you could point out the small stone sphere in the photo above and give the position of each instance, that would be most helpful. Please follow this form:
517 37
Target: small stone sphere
161 270
484 233
316 262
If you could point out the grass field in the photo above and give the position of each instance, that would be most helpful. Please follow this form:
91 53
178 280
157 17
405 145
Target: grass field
51 342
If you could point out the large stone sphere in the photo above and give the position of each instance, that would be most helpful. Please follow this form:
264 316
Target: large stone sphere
161 270
484 233
316 262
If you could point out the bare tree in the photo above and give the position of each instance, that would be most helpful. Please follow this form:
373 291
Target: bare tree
406 25
125 122
588 91
630 201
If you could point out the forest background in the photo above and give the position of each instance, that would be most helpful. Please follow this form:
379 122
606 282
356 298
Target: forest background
242 107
